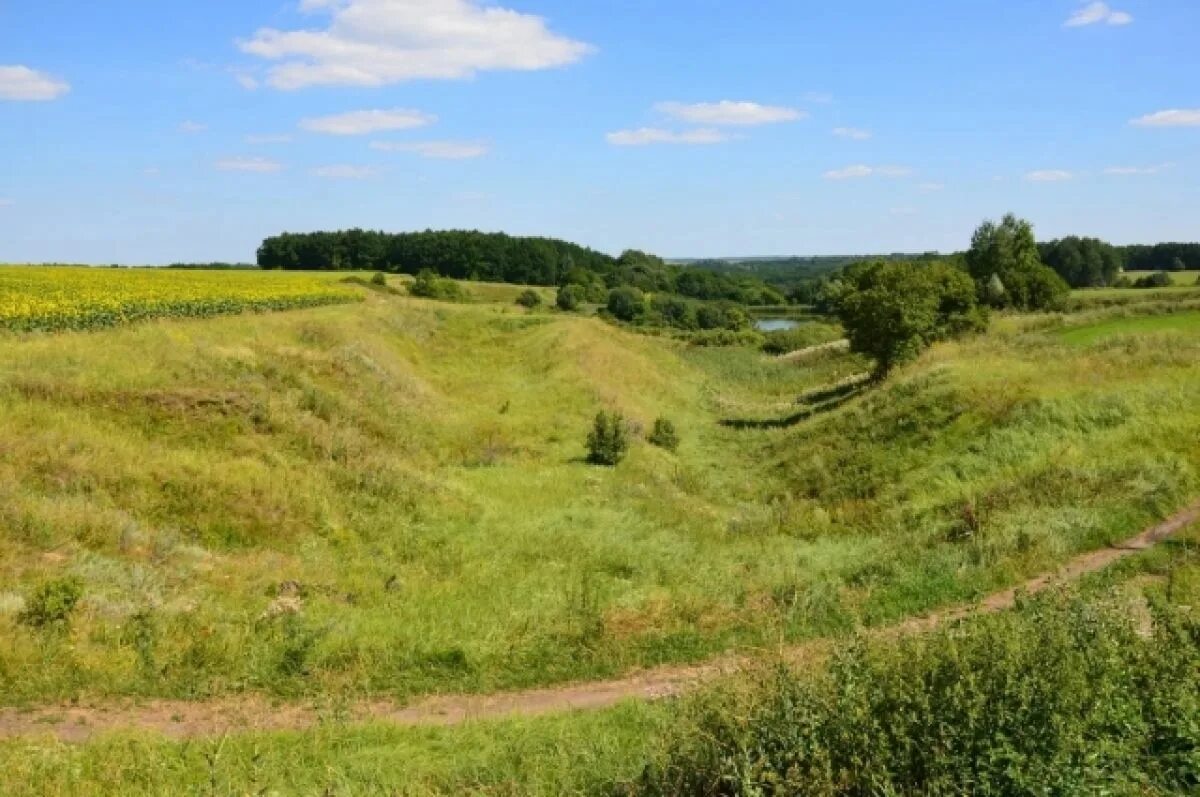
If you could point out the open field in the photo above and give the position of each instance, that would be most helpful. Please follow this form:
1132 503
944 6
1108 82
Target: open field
1180 278
58 298
388 499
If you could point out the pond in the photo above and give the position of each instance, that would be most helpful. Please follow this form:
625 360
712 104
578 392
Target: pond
775 324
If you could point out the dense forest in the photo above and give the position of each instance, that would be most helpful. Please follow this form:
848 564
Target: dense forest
496 257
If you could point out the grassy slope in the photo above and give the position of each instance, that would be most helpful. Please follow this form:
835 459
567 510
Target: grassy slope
416 469
190 467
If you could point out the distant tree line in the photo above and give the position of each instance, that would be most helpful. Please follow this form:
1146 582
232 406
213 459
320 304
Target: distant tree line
1162 257
496 257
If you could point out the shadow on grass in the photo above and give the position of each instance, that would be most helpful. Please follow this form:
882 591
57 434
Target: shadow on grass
812 404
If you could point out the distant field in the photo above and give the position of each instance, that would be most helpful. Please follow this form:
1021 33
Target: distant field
1179 322
1183 278
34 298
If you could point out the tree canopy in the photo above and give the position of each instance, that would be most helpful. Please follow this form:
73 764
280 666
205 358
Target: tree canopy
893 311
1083 262
1008 250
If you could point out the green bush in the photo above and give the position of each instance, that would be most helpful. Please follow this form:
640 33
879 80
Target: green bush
1058 697
608 442
429 285
626 304
379 279
569 298
52 604
530 298
1160 279
664 435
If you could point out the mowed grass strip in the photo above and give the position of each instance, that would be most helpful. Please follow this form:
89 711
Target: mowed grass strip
1188 322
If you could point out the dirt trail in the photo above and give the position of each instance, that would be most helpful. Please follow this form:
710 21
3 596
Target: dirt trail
185 720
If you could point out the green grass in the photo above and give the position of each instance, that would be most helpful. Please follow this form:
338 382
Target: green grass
414 471
553 757
417 469
1179 278
1138 325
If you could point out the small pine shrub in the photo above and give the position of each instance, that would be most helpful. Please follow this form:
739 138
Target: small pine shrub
608 442
530 299
52 604
664 435
379 279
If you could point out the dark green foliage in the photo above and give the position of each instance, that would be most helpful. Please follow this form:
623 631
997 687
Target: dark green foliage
569 298
627 304
892 311
495 257
1162 257
664 435
379 279
52 604
1058 697
608 442
1082 262
722 315
1009 251
429 285
530 298
1159 279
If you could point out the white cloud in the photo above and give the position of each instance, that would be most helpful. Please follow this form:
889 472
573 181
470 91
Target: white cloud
192 127
1172 118
860 171
1096 13
268 138
853 133
20 83
382 42
653 135
440 150
1132 170
729 113
1049 176
250 165
248 82
344 172
358 123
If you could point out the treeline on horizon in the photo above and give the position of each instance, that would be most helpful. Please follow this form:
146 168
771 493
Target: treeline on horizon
1082 262
498 257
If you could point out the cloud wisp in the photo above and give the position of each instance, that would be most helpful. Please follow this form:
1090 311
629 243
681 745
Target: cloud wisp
361 123
862 171
1049 176
436 150
729 113
345 172
384 42
1175 117
22 84
249 165
645 136
1098 13
1139 170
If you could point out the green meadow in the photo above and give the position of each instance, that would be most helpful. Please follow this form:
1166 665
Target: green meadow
390 498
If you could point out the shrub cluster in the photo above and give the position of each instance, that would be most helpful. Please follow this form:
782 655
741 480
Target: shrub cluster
1057 698
429 285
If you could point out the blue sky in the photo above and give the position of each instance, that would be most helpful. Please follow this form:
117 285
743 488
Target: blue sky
149 131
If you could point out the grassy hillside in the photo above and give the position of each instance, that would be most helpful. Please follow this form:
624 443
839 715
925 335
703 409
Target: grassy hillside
390 497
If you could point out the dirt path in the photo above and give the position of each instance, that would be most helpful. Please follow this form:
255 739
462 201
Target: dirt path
183 720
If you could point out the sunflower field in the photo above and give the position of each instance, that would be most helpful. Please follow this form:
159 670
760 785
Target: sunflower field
49 299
